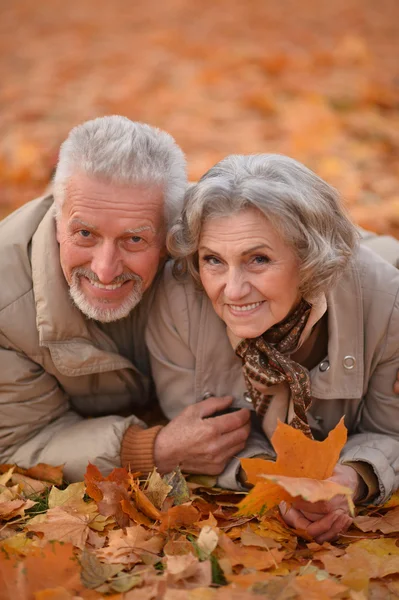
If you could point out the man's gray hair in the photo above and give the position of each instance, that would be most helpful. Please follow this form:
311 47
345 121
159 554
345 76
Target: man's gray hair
118 150
303 209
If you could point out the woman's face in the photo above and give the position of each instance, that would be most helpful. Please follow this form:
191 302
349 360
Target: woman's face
250 275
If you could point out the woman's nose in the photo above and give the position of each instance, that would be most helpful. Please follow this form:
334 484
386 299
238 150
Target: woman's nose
236 286
106 263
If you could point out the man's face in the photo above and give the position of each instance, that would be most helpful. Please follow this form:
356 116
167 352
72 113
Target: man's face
111 241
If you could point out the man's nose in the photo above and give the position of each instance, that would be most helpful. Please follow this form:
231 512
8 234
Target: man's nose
237 286
106 262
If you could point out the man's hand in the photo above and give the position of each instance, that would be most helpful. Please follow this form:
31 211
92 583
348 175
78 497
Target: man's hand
199 444
324 521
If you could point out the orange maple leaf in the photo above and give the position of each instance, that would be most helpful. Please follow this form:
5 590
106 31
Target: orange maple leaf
297 457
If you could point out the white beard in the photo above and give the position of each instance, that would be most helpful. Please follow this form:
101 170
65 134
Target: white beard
104 315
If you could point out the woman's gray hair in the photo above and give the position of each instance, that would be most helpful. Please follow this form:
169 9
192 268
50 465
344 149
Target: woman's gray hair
124 152
302 208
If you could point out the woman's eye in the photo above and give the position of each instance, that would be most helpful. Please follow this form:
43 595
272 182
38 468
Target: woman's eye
211 260
261 260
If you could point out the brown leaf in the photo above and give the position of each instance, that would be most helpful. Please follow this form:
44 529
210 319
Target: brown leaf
157 489
110 505
375 558
128 546
186 571
63 526
45 472
143 503
251 558
388 523
179 517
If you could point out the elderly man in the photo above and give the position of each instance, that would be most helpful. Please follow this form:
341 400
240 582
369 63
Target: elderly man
78 269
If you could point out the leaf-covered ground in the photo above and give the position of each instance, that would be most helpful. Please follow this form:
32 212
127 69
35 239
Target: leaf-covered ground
168 538
315 79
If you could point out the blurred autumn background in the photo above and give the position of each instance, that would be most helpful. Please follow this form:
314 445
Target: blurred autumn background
315 79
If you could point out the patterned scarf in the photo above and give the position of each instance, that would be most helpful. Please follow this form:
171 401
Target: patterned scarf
266 359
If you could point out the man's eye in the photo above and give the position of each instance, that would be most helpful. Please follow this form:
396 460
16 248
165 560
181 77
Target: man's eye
136 239
84 233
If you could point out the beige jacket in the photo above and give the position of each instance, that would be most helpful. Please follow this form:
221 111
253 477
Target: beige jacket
191 356
56 367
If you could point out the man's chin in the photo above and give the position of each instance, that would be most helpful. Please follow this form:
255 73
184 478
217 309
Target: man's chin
104 311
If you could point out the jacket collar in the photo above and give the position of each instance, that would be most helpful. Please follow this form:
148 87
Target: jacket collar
345 340
61 325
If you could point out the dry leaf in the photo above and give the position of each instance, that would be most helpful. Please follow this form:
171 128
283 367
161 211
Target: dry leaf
179 517
45 472
63 526
388 523
94 573
111 503
128 546
207 540
187 571
251 558
157 489
313 459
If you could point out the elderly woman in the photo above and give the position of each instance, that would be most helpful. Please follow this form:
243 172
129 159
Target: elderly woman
272 300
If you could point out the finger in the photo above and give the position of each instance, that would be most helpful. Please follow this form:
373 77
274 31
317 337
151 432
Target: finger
327 526
238 437
294 518
209 406
322 507
341 525
232 421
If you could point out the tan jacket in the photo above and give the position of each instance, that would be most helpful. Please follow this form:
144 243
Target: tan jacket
56 367
191 356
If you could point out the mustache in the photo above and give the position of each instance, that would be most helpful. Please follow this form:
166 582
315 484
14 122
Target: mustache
84 272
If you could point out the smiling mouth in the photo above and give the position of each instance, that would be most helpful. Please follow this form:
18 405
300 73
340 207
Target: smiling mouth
245 307
102 286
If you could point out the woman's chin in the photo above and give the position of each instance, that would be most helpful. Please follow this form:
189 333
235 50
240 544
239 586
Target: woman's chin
246 331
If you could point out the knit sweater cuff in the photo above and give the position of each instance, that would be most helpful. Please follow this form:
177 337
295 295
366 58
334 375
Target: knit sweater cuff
137 450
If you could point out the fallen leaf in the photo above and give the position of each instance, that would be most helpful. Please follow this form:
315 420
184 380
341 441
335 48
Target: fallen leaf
157 489
128 546
46 472
63 526
143 503
376 558
179 517
207 540
388 523
180 491
70 496
111 503
186 571
250 538
251 558
94 573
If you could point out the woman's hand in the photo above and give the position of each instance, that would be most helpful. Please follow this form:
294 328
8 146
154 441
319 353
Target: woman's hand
325 521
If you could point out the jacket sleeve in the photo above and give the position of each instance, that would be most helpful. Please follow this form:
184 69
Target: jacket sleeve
37 424
376 438
176 308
